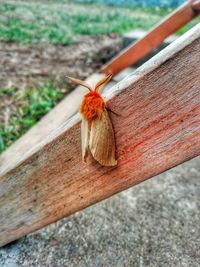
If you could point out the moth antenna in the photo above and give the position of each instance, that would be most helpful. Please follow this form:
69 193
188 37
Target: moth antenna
103 82
79 82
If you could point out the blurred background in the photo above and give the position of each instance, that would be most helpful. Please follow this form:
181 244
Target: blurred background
153 224
133 3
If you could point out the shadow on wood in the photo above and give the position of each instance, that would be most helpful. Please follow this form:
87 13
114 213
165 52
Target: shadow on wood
158 128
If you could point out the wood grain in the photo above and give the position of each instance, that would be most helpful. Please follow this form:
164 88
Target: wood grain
157 127
151 40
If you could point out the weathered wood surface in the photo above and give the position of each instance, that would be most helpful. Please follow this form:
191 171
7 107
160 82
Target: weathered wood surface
158 127
156 36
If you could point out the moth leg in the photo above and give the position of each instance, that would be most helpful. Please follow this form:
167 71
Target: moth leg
110 110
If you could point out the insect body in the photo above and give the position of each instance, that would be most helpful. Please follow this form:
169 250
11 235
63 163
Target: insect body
97 133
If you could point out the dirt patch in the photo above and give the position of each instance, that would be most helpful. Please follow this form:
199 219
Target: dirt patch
22 66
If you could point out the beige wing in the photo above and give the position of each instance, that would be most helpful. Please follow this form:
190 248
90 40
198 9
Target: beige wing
102 140
84 139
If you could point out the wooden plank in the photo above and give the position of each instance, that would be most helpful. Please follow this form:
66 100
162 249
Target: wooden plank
152 39
122 74
158 127
133 36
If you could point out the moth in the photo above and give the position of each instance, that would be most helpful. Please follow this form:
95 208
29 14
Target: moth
97 135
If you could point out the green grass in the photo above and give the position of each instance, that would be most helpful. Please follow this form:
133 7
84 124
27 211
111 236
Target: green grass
189 26
61 22
31 105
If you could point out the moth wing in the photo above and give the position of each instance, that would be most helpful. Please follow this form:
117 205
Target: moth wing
102 140
84 138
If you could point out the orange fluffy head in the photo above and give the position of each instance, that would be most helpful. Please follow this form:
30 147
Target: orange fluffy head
92 106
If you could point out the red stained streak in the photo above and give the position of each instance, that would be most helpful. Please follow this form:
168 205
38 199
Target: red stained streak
149 132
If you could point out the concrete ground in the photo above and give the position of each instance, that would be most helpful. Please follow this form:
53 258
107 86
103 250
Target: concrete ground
156 223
